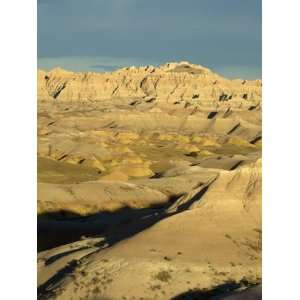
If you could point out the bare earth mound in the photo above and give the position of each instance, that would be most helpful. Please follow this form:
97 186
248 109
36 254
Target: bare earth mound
149 184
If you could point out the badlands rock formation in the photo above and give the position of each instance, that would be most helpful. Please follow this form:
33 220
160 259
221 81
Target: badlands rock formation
181 83
149 184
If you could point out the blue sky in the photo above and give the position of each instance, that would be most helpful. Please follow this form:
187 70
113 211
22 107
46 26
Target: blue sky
100 35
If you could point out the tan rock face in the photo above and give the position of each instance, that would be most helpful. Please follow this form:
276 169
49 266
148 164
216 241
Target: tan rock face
173 83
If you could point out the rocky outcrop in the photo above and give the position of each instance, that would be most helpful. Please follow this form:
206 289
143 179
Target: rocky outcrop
171 83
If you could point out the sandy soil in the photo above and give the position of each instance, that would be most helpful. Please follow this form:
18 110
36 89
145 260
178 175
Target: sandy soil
146 193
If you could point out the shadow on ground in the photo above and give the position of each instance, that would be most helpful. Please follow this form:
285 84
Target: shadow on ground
59 228
227 291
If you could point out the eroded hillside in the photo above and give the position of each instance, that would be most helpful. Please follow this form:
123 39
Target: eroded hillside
149 183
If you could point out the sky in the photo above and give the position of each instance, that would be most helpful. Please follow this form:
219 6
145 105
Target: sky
103 35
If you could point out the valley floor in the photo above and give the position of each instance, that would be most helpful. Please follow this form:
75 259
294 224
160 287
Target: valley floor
148 201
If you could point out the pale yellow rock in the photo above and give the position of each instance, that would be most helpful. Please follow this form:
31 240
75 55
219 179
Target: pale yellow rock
92 197
43 149
205 141
132 160
127 137
94 163
206 153
182 139
239 142
166 137
71 160
188 148
197 139
123 149
209 142
165 83
135 170
115 176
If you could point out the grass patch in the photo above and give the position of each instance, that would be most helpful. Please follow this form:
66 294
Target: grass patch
163 276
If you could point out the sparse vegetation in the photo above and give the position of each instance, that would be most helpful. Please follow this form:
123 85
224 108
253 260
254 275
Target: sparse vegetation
167 258
153 185
155 287
163 276
96 290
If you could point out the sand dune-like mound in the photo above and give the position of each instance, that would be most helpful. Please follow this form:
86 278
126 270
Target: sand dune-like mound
202 241
149 184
